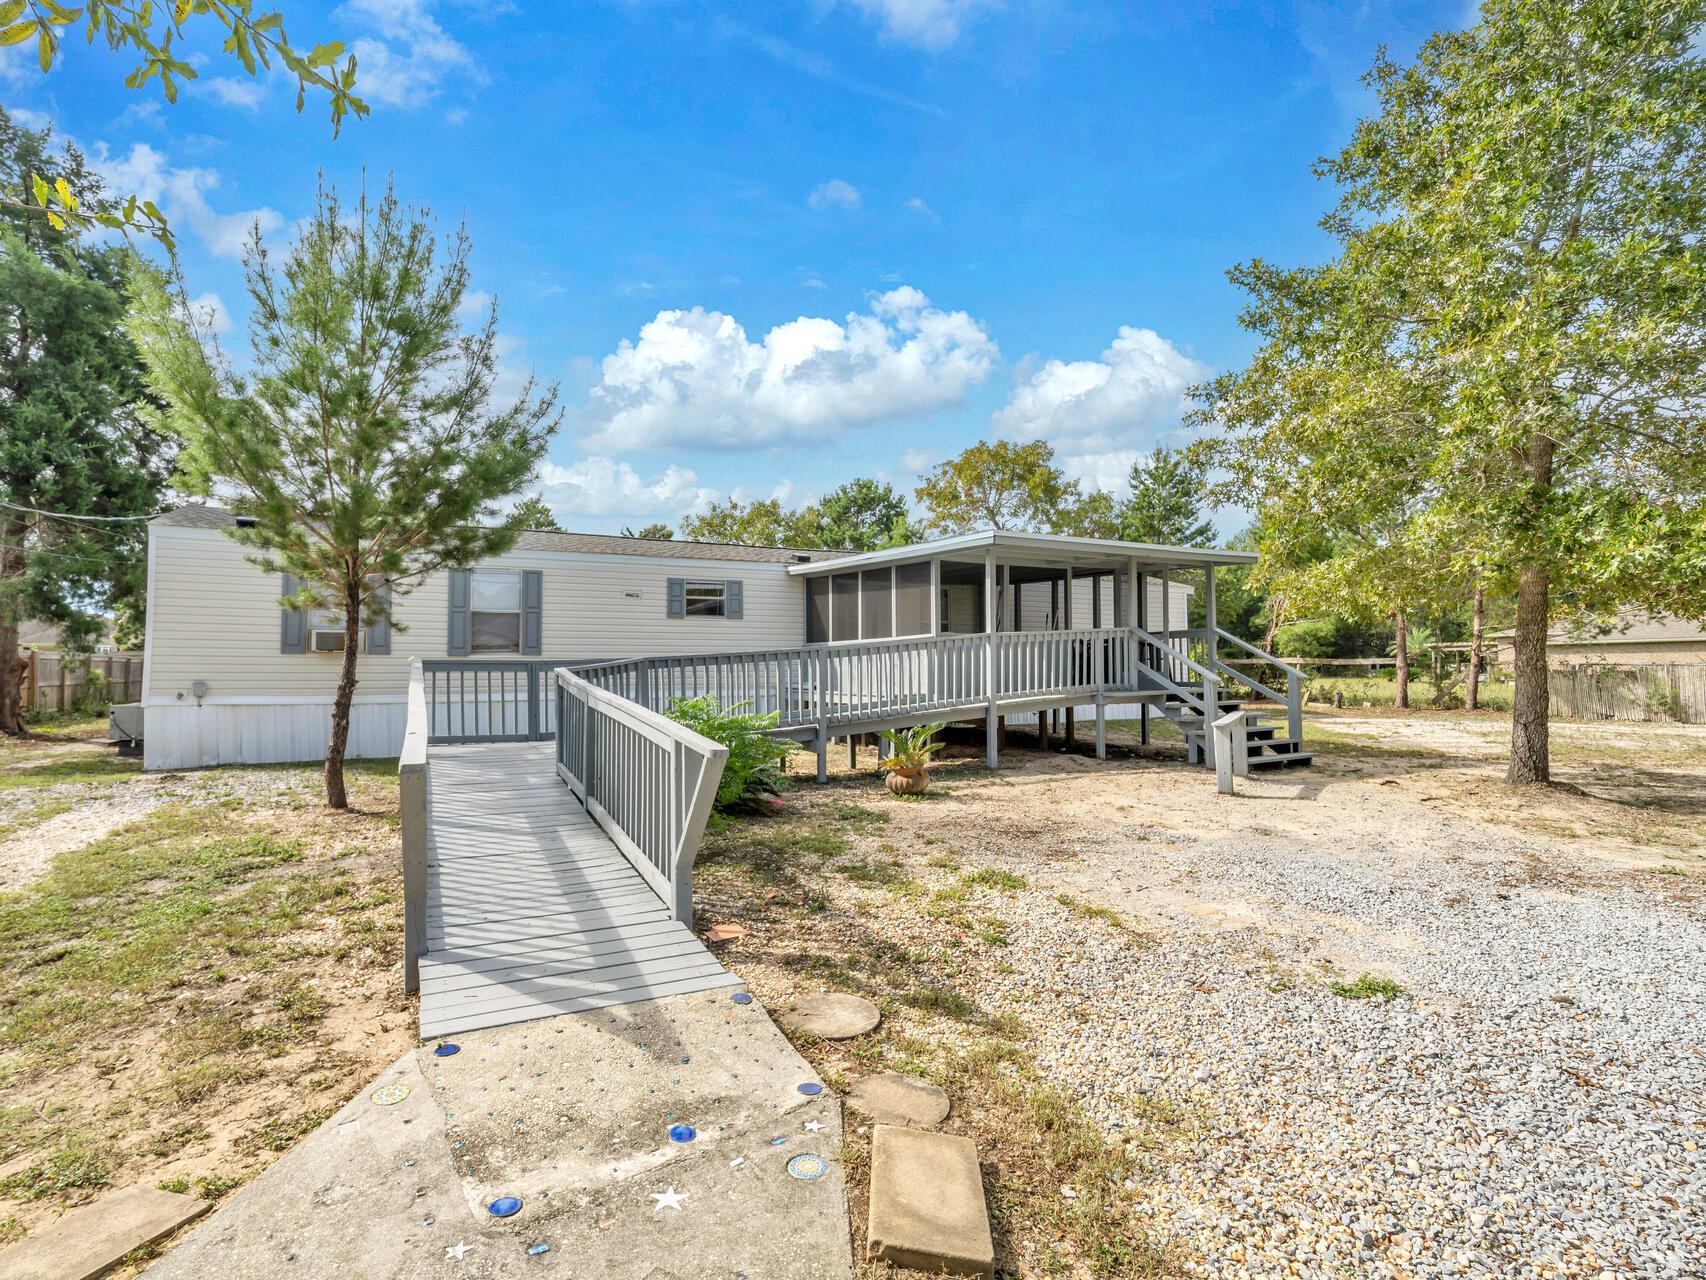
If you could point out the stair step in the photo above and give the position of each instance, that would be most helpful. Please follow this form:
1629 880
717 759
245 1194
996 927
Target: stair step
1300 759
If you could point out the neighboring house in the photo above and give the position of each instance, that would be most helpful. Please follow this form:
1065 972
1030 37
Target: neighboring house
45 636
1633 639
230 677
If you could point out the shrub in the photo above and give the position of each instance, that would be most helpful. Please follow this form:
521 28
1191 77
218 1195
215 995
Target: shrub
754 767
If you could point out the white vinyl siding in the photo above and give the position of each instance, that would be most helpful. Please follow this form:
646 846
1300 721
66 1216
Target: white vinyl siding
215 617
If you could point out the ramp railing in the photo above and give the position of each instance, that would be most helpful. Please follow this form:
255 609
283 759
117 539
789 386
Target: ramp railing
646 780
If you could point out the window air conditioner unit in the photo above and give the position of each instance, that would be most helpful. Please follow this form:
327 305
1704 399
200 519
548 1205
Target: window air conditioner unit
330 640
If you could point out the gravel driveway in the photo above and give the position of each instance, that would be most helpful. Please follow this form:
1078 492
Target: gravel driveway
1534 1106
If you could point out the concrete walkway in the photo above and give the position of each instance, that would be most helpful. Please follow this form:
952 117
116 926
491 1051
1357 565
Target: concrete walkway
571 1114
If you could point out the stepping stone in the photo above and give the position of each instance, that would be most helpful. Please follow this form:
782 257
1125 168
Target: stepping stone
927 1209
90 1241
831 1015
892 1098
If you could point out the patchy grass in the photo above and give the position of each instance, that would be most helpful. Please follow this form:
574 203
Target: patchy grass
992 878
179 998
920 952
1089 910
1382 691
1365 986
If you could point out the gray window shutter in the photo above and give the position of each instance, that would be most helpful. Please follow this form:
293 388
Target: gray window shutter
379 630
675 599
293 623
732 603
460 588
532 597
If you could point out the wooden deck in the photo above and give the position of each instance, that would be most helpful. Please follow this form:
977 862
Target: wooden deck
531 910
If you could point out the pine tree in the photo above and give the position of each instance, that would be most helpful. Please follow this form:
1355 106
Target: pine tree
71 440
365 446
1166 503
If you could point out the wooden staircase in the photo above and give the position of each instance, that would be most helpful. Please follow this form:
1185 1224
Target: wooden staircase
1267 750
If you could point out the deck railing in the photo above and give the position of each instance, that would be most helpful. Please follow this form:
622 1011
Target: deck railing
489 699
646 780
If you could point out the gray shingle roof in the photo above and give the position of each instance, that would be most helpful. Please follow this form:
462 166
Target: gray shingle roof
597 544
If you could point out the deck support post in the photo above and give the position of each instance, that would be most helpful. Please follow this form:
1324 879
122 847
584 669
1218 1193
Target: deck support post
1042 728
852 751
823 710
991 729
1101 727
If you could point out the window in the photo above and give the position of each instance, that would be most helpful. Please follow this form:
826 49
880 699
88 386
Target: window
495 609
706 599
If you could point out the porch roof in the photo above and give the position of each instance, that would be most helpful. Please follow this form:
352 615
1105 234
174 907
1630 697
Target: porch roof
1043 549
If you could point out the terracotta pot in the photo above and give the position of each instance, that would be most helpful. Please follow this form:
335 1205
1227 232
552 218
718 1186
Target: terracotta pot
907 782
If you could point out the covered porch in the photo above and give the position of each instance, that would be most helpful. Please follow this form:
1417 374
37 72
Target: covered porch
1062 624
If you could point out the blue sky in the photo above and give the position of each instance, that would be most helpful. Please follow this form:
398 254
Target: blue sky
768 247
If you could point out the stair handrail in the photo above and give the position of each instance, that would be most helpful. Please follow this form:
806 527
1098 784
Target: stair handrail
1294 678
1210 687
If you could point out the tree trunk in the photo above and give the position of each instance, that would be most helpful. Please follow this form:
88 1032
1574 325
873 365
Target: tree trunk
11 674
1472 697
1402 658
1531 753
11 682
336 797
1530 748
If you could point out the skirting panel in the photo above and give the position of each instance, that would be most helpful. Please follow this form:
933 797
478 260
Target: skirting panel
176 736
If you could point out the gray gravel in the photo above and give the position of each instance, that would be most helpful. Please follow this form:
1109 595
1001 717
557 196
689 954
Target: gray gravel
1535 1107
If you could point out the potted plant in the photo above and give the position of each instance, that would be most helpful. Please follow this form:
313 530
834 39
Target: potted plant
908 761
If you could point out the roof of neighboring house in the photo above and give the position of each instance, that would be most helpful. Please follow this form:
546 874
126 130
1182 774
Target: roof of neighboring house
595 544
1628 628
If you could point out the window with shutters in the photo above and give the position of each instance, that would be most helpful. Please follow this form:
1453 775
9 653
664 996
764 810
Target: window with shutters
707 599
495 611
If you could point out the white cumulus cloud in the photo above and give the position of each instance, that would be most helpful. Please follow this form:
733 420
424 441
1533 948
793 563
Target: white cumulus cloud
601 486
182 197
693 379
1088 407
927 24
410 54
918 206
834 192
233 92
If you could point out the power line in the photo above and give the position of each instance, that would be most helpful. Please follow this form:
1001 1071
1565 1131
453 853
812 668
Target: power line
66 515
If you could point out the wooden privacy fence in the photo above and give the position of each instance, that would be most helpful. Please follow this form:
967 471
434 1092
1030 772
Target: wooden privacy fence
646 780
56 681
1656 691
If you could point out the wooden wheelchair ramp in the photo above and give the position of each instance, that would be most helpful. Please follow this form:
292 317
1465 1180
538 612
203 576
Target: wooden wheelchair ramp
532 911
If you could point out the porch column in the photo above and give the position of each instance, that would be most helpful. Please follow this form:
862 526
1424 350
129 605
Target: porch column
1072 662
936 595
1211 642
991 756
1137 594
1166 606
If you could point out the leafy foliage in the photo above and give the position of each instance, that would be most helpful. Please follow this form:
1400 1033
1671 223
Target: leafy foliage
1501 378
149 29
997 486
364 446
655 532
754 767
535 513
911 748
71 438
861 515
